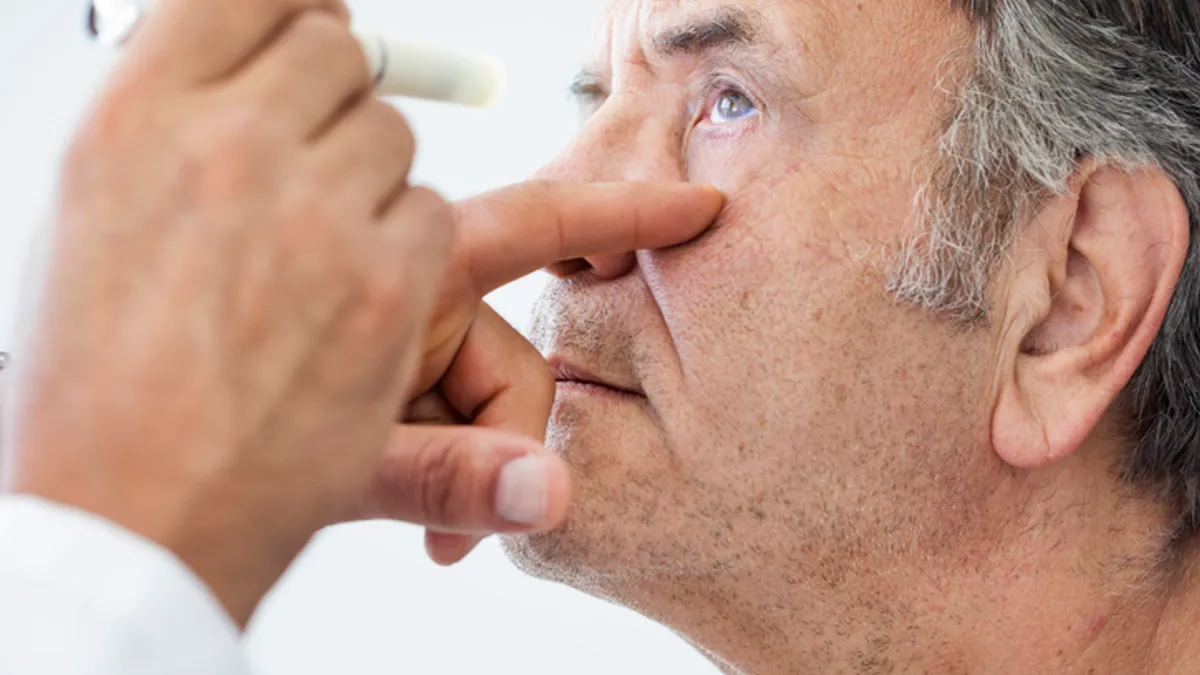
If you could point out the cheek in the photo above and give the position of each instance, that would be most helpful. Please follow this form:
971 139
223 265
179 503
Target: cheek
778 315
790 242
748 309
743 155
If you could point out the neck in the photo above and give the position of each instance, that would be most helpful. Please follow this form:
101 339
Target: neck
1175 649
1038 604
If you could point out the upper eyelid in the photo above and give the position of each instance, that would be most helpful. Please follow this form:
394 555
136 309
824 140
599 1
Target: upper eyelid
721 76
718 83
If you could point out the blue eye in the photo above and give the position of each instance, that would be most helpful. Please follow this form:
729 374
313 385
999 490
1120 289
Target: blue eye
731 106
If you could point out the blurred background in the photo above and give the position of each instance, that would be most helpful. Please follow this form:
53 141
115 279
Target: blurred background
364 600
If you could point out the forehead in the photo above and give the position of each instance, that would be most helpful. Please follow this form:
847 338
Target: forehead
631 25
823 31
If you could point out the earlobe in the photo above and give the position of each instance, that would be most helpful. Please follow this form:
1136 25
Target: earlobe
1018 434
1087 291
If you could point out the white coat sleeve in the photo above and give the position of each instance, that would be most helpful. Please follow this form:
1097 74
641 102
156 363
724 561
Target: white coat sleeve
80 595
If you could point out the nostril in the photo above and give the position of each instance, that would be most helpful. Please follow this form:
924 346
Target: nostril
602 267
608 267
566 268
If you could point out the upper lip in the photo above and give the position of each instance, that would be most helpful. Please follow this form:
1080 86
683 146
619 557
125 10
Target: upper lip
568 371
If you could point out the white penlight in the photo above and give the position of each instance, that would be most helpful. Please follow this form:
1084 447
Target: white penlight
401 67
404 68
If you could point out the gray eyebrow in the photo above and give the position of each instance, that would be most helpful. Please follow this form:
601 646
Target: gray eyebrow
717 29
728 26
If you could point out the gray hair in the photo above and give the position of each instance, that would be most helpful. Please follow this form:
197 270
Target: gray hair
1053 82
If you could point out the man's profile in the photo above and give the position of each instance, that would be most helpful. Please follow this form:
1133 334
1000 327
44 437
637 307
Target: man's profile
927 396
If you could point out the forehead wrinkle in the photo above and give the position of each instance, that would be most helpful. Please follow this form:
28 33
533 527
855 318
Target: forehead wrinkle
778 38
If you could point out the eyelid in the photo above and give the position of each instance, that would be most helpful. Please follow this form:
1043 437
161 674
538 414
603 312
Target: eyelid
726 73
717 84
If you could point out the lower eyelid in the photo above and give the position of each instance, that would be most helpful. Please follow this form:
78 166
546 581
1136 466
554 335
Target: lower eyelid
727 131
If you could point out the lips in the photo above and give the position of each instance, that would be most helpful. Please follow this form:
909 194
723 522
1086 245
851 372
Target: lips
570 374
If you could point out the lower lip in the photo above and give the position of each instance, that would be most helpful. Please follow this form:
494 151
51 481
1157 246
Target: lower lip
576 388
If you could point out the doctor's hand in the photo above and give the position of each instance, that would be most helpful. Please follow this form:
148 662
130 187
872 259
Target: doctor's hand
476 465
235 299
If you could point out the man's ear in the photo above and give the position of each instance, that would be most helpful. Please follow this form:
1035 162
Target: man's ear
1085 292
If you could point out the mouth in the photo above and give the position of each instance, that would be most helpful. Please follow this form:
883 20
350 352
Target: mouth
574 379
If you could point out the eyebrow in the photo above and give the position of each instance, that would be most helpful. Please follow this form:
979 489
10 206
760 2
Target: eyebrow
725 27
711 31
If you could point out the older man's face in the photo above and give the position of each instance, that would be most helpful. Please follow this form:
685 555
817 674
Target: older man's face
780 409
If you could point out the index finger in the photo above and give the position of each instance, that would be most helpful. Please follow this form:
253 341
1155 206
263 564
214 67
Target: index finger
506 234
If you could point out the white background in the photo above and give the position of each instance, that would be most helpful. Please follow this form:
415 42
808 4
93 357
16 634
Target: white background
363 599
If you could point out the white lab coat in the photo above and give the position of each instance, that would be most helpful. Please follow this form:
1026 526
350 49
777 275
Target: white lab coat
82 596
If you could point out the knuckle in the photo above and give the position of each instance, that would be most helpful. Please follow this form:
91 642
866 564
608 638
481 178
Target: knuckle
433 207
439 475
316 30
330 40
538 191
391 129
541 187
430 408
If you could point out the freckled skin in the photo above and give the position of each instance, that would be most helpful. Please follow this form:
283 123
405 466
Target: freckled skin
808 486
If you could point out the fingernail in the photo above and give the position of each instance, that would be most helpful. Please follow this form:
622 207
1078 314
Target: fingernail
521 494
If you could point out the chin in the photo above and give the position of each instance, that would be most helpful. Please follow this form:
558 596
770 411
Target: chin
591 436
629 517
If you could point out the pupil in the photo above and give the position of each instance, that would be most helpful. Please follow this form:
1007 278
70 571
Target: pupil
730 104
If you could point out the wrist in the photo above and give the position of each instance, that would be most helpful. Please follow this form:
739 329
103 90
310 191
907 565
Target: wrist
236 557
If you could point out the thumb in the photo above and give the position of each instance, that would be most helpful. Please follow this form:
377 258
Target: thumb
469 479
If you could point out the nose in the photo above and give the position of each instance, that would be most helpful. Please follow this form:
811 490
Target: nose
623 141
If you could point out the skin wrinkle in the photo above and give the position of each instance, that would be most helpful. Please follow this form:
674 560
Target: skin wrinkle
811 485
